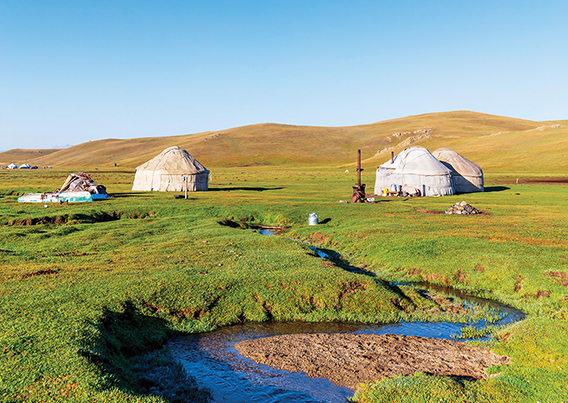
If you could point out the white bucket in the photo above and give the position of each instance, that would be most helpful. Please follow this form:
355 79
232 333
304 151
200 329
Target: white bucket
313 219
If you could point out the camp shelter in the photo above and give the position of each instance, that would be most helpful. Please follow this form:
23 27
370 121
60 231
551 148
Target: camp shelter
415 167
12 166
171 171
467 176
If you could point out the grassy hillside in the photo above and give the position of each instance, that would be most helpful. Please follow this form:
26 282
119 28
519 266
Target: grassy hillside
480 137
21 156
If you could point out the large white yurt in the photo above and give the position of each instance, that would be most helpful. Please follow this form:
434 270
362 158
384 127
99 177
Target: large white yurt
467 176
418 168
173 170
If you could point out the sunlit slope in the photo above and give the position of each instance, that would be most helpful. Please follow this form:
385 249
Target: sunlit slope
495 142
542 150
22 156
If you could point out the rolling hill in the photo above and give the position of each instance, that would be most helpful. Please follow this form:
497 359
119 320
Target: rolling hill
497 143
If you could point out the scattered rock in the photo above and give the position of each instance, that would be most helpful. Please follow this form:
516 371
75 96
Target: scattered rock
422 132
462 208
418 135
399 134
215 136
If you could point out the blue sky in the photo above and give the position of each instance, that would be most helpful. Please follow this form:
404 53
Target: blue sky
74 71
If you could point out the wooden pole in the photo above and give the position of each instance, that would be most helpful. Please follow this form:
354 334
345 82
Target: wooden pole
359 168
185 179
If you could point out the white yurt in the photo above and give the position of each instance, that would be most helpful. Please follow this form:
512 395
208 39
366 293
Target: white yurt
415 167
467 176
12 166
173 170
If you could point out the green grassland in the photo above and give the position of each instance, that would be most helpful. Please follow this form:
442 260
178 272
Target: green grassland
90 292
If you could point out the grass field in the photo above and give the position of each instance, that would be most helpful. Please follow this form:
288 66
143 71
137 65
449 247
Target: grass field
90 292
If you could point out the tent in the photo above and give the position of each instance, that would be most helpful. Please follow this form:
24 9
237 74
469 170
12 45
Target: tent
173 170
467 176
82 182
12 166
415 167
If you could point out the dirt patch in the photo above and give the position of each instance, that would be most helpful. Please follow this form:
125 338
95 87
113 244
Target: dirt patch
540 181
39 273
542 294
349 359
561 277
73 254
430 211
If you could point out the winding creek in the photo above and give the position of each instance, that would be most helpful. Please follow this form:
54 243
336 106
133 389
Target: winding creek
213 360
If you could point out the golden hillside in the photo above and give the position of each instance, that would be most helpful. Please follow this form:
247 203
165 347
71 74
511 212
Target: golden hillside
496 143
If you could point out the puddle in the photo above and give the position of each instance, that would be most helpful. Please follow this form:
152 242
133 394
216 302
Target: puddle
217 366
265 231
212 359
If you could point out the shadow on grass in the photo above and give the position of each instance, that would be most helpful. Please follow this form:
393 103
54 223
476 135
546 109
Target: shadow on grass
133 194
129 351
340 262
249 188
495 188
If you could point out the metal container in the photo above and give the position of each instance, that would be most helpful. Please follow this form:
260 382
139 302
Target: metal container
313 219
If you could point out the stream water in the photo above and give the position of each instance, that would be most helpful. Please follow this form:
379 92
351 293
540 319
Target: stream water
213 360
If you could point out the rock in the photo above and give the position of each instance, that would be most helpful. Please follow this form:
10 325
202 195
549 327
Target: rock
462 208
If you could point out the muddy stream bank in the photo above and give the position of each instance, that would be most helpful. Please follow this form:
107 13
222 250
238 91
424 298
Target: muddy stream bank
345 353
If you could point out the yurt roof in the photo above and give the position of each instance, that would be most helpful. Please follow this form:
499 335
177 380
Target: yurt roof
416 160
457 162
174 160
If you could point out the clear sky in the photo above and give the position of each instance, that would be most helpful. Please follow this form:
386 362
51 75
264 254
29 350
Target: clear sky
73 71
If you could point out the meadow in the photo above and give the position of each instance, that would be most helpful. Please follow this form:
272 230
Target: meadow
91 292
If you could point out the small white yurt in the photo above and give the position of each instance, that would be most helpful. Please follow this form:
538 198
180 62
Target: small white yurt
415 167
12 166
467 176
173 170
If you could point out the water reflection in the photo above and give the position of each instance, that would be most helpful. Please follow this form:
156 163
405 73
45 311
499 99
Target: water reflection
213 360
230 377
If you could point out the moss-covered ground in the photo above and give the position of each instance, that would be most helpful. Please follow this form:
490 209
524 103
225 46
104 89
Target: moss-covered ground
90 292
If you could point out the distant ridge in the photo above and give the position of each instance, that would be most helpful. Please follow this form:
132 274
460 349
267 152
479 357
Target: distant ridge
495 142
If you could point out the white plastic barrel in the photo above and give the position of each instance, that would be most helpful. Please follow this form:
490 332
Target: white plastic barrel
313 219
